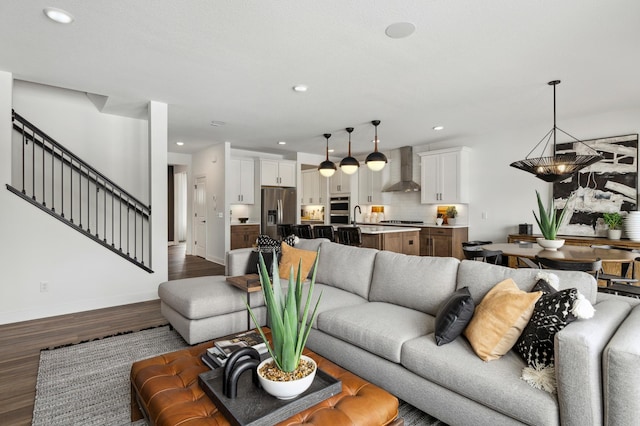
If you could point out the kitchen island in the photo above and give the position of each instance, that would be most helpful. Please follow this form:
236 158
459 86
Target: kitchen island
399 239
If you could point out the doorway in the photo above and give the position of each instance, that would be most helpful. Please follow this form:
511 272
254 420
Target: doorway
200 217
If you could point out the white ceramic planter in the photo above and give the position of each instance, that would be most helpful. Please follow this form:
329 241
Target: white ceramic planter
551 245
614 234
287 390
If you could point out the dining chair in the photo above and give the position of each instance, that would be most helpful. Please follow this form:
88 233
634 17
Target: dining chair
620 284
324 231
302 231
525 262
349 235
284 230
592 267
482 254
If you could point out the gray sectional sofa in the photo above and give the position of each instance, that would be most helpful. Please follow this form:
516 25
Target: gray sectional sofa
377 319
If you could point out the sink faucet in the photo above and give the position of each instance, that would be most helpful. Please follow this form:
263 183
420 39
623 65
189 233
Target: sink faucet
354 214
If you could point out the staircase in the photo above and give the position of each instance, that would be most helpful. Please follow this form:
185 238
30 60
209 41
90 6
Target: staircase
58 182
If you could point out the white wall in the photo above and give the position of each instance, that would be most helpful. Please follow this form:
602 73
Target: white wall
81 274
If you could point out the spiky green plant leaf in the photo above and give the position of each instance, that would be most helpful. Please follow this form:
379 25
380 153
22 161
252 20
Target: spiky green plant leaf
289 327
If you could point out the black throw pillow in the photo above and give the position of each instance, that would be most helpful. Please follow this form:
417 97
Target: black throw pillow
453 316
253 265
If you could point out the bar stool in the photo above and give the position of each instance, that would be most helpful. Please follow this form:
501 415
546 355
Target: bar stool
302 231
284 230
324 231
350 235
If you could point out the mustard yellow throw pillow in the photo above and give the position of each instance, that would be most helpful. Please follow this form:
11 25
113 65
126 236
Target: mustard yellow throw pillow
499 319
291 257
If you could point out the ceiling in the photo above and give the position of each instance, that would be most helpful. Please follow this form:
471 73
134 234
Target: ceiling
470 66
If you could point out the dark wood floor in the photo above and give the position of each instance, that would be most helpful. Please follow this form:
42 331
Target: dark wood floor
20 343
182 265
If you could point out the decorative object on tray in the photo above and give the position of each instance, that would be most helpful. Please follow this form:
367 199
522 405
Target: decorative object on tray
614 221
243 219
290 327
549 223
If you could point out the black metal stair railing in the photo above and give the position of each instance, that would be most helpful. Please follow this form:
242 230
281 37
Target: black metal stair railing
57 181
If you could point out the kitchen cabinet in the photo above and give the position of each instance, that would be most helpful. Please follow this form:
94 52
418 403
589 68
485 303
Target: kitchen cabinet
277 172
445 176
243 236
400 242
242 181
313 188
340 183
443 241
370 186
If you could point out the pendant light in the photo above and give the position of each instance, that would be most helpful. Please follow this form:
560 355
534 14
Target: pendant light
327 168
561 165
376 160
349 165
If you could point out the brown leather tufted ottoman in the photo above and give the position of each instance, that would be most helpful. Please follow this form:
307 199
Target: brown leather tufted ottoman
166 388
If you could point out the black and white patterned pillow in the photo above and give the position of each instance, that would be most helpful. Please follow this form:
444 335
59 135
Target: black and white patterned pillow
290 240
268 244
551 314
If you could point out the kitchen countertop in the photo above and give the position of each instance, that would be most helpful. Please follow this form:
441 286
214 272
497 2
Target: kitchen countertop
417 225
375 229
246 223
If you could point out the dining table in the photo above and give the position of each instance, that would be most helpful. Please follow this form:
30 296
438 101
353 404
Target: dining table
612 258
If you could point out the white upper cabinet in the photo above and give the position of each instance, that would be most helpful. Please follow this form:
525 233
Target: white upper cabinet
370 185
312 187
277 173
445 176
242 181
340 183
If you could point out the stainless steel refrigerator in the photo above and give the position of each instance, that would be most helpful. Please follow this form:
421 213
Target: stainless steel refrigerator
278 207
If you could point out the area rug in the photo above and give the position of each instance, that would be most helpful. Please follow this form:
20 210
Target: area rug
88 383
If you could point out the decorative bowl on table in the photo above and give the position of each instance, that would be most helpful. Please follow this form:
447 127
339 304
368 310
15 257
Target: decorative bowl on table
243 219
551 245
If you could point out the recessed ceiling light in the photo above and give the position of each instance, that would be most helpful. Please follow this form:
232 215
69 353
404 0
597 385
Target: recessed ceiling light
58 15
282 143
400 30
300 88
436 128
331 150
216 123
179 143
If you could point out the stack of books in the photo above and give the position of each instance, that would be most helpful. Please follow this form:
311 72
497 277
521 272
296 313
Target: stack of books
217 355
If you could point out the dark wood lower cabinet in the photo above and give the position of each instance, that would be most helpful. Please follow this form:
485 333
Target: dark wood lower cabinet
399 242
443 241
243 236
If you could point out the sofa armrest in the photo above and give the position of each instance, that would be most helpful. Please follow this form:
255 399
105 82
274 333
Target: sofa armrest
621 369
578 362
236 262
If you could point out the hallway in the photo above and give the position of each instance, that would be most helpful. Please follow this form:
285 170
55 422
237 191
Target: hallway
182 265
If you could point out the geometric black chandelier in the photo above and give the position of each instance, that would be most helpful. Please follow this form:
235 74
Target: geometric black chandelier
559 166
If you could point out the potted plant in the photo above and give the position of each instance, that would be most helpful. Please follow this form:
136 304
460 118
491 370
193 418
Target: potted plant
452 212
549 223
614 221
287 373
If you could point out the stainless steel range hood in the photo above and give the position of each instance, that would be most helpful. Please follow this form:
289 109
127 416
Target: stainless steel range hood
406 183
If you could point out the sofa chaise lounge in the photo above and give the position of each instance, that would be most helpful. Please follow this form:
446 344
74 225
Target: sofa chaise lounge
377 319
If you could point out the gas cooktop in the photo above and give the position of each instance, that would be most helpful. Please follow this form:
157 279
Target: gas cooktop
402 221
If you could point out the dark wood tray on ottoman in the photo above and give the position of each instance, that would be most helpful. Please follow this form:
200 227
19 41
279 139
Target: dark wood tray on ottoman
165 390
